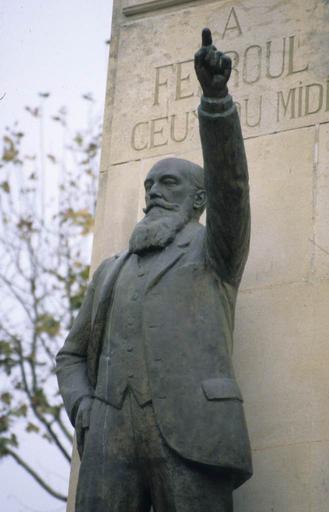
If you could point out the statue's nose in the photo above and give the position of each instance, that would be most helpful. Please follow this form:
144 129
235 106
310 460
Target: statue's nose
154 192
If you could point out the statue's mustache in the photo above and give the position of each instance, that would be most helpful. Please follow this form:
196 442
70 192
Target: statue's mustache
160 203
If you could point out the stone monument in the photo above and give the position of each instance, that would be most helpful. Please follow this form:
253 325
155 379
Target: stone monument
279 53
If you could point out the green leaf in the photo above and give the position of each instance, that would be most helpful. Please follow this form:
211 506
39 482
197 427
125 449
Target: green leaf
92 147
5 186
3 446
25 225
81 217
76 301
84 274
4 423
5 348
6 398
39 399
52 158
46 323
21 411
78 139
31 427
13 440
10 151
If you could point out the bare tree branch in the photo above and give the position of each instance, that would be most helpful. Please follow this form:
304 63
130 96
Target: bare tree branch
35 475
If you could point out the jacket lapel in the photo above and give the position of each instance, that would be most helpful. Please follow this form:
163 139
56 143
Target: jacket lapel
108 286
99 321
111 278
167 259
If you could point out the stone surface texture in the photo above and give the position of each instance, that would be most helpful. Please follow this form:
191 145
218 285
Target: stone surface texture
280 53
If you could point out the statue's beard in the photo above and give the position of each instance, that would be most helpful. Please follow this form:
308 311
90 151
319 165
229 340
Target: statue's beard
159 227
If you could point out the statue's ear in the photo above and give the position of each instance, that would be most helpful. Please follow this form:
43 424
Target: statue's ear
200 199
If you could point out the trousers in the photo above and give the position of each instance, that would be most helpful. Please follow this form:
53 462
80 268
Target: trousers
127 466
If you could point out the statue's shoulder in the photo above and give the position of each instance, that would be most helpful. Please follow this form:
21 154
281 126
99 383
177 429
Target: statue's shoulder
113 262
104 266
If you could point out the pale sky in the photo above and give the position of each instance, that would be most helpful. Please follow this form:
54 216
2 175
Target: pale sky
55 46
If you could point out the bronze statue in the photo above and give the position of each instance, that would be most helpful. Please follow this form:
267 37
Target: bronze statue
146 371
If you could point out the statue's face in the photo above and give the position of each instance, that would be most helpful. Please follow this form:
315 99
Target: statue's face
173 197
168 186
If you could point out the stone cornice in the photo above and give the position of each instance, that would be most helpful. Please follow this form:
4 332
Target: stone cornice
152 5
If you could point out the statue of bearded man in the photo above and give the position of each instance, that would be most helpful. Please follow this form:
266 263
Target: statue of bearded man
146 372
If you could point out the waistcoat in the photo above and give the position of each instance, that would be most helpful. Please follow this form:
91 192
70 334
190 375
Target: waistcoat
122 362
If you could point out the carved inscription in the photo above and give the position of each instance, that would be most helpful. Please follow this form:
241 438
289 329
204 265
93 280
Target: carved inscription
232 24
162 130
255 68
304 100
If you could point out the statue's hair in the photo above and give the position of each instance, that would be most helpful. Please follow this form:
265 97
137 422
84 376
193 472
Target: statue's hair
195 171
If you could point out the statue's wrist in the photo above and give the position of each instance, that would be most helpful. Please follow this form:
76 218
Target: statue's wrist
216 105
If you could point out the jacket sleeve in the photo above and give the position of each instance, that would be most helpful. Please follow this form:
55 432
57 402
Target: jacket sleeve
71 360
226 181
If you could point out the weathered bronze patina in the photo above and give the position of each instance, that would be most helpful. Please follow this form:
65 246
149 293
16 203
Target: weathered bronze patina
146 371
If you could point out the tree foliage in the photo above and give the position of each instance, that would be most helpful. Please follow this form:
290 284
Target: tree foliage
46 219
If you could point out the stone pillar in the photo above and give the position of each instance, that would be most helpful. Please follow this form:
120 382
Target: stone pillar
280 54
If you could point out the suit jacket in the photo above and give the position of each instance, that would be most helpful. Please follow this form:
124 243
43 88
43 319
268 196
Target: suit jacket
188 314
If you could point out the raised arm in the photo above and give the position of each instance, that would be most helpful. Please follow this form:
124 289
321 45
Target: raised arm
225 165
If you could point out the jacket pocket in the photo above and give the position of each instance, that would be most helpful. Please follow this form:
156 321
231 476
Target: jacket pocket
221 389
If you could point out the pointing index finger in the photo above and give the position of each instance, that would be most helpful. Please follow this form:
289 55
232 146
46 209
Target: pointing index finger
206 37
